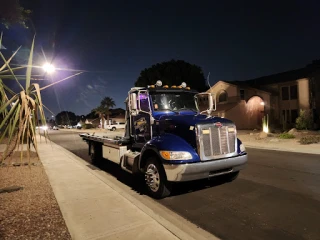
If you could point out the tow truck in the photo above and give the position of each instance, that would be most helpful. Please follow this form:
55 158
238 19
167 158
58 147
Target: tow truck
171 136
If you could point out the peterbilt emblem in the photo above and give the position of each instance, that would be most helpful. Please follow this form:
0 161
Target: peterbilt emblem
218 124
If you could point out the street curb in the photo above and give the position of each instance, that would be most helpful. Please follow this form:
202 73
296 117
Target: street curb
280 149
177 225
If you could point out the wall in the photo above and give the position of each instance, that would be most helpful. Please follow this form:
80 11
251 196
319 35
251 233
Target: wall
232 91
303 94
277 105
247 115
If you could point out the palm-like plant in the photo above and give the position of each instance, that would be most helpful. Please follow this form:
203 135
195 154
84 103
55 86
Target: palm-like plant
99 111
104 109
106 104
20 111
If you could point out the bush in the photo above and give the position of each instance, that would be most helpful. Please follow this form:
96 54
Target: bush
286 136
310 139
87 126
304 121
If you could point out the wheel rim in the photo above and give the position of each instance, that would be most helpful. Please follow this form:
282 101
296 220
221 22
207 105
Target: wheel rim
152 178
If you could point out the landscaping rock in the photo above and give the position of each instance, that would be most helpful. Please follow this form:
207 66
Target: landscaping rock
293 131
262 135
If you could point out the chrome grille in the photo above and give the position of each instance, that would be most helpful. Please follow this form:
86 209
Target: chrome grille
216 142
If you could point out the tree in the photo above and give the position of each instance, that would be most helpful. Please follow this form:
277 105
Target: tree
106 104
173 73
104 109
21 111
66 118
11 12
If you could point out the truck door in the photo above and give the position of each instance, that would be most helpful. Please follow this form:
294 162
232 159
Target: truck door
140 124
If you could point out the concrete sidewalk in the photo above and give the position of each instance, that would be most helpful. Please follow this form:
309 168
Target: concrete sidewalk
274 143
95 208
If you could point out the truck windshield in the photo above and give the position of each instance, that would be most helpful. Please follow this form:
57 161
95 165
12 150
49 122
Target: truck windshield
173 101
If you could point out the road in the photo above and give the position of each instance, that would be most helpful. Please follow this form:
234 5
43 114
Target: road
276 197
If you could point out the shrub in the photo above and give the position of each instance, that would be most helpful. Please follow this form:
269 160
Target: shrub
87 126
310 139
304 121
286 136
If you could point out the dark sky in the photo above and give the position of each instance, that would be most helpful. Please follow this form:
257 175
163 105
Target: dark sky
115 40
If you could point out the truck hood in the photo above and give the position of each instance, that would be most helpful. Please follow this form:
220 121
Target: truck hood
184 125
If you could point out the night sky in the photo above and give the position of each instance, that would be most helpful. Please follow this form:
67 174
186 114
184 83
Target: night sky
115 40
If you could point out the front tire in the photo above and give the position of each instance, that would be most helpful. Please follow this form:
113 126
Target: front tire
155 178
113 129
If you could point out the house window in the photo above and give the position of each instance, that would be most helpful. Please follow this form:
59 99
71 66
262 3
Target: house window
223 96
286 116
293 92
294 115
242 94
285 93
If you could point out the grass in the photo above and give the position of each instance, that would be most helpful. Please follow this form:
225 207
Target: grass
286 136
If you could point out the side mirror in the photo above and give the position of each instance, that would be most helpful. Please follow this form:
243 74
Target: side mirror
133 102
212 102
208 99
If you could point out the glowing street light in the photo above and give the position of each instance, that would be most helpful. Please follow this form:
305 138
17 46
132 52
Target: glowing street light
49 68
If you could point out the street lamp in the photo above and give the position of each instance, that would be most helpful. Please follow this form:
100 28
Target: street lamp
49 68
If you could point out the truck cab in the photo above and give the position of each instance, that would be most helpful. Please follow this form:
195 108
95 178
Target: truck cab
169 139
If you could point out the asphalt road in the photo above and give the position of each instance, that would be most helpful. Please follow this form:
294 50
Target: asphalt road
276 197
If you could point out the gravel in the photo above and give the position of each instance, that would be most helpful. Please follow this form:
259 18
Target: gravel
31 212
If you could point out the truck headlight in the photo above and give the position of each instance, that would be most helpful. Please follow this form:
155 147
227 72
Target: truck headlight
175 155
242 148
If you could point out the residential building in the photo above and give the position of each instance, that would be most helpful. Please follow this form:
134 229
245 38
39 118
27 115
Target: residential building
280 96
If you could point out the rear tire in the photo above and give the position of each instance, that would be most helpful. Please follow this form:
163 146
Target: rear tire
113 129
155 179
95 153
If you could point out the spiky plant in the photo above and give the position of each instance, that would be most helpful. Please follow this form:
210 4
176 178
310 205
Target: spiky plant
20 111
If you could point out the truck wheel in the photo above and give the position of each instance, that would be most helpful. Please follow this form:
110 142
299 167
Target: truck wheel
95 153
155 179
113 128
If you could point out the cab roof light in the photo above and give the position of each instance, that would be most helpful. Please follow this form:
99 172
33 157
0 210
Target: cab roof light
183 85
173 86
188 88
151 86
159 83
165 86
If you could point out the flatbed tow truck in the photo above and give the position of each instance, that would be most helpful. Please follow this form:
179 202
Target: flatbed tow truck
169 139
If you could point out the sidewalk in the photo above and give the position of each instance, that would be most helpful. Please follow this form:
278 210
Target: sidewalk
274 143
95 208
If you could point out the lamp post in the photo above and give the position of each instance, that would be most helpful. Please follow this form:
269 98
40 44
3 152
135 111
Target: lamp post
48 68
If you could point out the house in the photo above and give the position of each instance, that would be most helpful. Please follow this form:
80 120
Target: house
281 96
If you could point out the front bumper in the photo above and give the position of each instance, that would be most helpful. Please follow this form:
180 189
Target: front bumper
201 170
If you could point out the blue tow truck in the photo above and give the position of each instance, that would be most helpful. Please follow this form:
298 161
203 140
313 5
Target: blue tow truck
169 139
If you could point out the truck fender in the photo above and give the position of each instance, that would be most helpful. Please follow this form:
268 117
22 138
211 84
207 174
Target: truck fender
169 142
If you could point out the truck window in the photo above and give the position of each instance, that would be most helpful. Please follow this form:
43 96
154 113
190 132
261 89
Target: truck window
144 102
173 101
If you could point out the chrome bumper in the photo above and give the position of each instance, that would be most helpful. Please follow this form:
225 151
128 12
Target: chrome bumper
201 170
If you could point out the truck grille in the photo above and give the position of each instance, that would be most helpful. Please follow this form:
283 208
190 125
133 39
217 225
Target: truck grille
216 142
